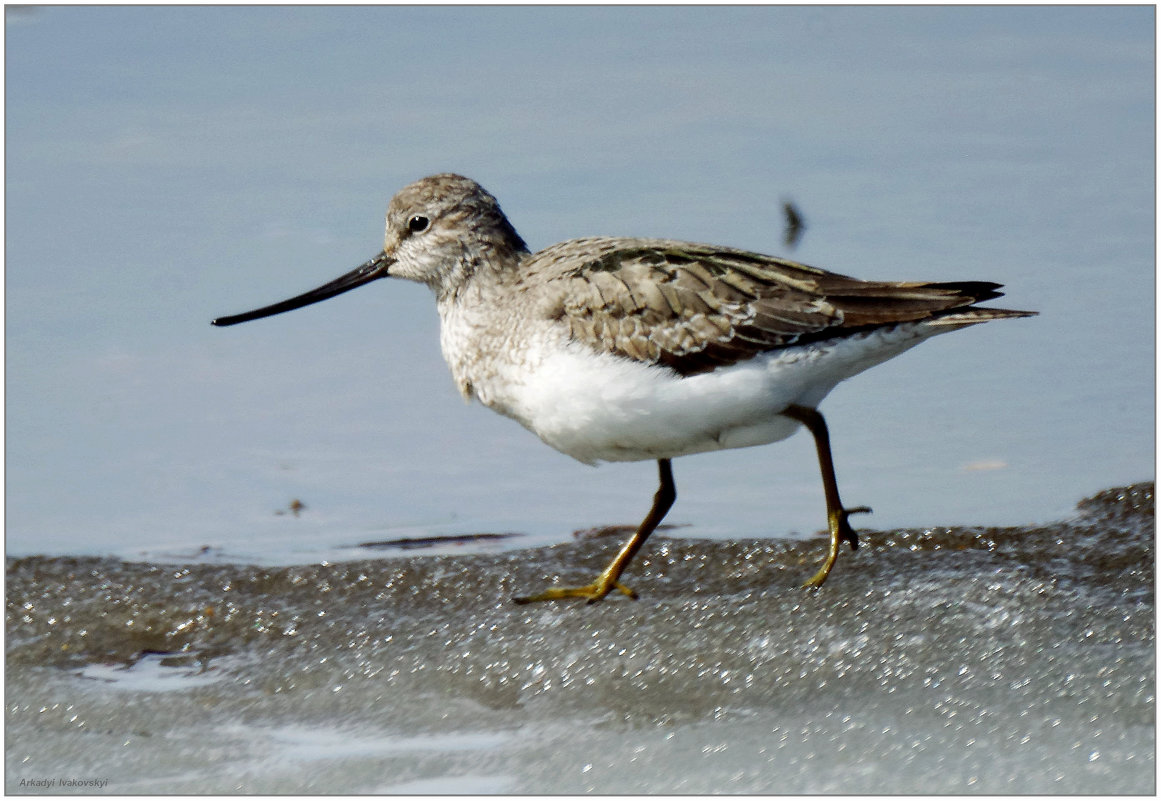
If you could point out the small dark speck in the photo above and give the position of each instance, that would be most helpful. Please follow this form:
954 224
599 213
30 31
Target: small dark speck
795 225
294 507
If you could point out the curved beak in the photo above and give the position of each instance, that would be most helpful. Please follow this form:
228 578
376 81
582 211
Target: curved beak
364 273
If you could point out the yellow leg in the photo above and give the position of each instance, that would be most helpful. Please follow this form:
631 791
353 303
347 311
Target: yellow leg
836 515
607 580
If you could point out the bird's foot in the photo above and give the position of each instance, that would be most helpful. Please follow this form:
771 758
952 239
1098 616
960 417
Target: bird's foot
840 531
590 592
846 533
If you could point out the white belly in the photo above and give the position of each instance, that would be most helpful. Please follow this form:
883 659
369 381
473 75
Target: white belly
596 407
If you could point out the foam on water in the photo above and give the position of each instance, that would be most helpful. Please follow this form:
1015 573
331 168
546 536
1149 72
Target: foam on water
958 660
154 673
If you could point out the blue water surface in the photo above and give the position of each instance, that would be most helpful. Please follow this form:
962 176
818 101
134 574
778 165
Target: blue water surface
166 165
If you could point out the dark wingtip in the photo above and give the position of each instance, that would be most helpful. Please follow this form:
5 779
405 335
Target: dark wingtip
978 291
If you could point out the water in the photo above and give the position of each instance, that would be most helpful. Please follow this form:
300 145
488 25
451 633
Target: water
942 660
151 188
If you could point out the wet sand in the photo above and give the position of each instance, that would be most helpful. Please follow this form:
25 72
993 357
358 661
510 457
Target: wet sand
960 660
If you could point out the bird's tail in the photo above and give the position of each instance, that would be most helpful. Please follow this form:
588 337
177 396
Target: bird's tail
958 318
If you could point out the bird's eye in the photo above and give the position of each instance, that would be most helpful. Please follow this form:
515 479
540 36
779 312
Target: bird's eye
418 224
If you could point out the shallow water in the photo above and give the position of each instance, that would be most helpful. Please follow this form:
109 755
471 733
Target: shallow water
943 660
1008 144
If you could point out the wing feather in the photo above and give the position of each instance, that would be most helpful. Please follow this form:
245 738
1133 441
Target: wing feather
696 307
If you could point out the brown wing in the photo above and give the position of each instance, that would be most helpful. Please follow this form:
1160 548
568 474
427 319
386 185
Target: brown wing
697 307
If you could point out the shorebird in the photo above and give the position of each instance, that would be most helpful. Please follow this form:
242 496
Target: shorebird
625 349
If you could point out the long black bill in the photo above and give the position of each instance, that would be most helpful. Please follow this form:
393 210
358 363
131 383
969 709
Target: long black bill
369 271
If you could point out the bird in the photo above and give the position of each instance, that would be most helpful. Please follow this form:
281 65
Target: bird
615 349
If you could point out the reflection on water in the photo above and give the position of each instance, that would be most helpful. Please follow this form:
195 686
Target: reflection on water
991 660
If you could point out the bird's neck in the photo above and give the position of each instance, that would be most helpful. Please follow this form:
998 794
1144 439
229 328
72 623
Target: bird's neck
477 271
